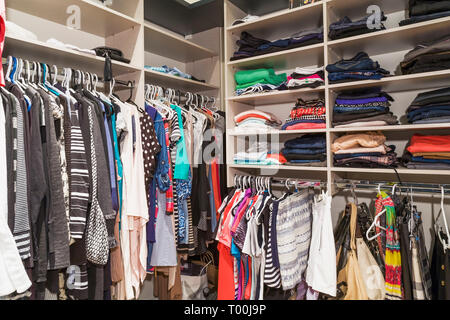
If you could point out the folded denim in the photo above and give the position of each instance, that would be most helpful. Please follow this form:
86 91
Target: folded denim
359 101
433 120
289 151
351 32
419 110
429 7
313 141
320 157
364 94
346 22
361 61
428 166
427 62
426 17
355 75
432 97
422 159
305 161
364 105
348 116
355 109
354 155
429 114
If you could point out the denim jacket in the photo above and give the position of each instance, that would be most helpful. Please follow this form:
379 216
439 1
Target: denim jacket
162 160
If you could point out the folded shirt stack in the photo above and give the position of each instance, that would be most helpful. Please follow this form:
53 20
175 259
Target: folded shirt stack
428 152
347 28
424 10
307 115
251 81
363 108
360 67
430 107
304 78
250 46
259 154
428 57
307 150
363 150
256 120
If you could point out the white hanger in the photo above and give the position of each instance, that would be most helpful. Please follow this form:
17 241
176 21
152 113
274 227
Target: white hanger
445 244
375 222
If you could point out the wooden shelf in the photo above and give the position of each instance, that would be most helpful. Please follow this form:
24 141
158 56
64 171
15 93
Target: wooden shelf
275 167
306 14
95 18
273 132
172 46
166 80
272 97
287 59
399 170
394 39
43 52
408 82
404 127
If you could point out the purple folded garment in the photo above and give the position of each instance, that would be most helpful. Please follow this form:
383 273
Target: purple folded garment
361 101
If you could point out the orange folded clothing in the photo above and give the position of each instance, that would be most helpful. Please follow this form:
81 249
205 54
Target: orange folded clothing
277 156
306 125
421 143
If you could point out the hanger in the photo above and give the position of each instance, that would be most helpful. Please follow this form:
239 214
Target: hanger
438 229
352 190
10 65
375 222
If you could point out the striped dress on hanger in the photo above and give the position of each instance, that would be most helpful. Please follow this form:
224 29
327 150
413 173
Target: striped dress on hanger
393 281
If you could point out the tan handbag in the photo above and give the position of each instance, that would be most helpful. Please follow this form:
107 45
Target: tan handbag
207 259
370 271
349 279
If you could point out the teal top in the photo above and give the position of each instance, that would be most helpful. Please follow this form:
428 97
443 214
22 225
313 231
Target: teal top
182 166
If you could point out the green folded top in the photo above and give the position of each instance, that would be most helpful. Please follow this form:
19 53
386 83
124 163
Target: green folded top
246 78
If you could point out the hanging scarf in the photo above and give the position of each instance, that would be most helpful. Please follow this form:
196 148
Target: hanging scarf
393 281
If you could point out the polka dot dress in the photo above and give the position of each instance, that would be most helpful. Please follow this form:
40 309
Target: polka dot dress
150 148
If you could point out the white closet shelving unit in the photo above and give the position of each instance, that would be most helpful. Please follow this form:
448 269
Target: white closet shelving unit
120 26
386 46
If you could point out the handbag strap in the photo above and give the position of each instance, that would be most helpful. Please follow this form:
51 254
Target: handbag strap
353 218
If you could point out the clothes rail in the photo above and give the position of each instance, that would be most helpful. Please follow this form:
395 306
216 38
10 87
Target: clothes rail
299 183
403 187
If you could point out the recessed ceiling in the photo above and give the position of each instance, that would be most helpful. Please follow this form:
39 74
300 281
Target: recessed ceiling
184 18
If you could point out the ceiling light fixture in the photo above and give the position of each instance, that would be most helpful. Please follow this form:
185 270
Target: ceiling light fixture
193 3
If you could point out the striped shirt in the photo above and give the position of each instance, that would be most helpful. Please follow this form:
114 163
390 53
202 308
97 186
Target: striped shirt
294 222
79 179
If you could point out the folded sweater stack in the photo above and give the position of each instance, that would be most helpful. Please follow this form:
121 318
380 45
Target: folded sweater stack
363 150
346 27
250 46
257 80
305 78
307 150
427 57
361 108
428 152
424 10
430 107
360 67
258 154
256 120
307 115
